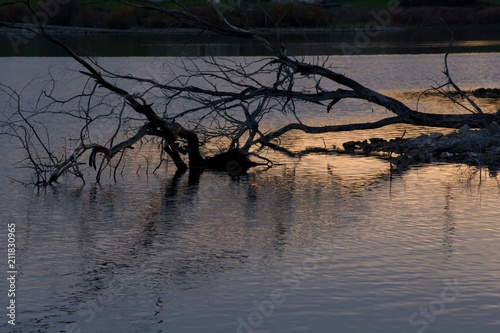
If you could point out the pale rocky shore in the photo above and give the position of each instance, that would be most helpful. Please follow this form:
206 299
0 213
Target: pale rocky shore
476 147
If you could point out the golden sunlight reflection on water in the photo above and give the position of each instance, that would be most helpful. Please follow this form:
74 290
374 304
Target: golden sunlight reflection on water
195 252
207 248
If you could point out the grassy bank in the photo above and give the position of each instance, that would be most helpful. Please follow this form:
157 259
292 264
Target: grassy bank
332 14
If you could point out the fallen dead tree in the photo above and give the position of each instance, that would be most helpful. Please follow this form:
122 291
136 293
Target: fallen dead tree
228 102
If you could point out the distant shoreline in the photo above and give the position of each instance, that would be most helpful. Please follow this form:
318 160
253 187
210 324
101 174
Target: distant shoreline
172 41
187 31
70 30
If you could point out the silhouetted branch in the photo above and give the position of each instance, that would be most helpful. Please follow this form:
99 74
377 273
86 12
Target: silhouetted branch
457 91
225 102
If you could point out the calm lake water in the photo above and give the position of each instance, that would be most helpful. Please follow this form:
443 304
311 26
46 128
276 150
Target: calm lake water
324 243
421 41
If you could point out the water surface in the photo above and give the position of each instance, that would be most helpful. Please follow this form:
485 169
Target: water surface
175 43
324 243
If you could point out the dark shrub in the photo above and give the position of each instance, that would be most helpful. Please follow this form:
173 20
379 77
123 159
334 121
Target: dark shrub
13 13
122 17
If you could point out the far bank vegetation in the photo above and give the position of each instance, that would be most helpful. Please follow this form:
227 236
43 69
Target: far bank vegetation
265 14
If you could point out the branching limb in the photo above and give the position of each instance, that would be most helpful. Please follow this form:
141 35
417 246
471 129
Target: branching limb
450 82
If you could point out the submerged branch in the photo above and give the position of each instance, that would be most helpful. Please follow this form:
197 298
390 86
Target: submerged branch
326 129
222 100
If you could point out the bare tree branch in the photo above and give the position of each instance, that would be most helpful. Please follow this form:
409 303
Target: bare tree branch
223 102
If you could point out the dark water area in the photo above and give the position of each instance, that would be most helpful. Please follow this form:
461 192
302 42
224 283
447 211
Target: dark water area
172 43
